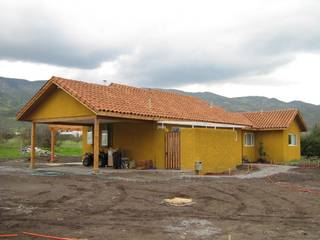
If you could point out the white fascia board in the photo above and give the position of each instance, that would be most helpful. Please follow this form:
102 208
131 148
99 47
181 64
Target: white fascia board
201 124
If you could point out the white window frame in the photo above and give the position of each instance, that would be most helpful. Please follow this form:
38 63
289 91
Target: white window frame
252 139
290 135
90 137
104 138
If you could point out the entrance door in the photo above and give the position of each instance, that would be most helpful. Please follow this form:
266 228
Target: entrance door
172 150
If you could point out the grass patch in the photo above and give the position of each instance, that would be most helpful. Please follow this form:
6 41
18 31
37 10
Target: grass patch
10 149
304 161
69 148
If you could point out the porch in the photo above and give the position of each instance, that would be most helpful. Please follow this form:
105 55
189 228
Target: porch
140 140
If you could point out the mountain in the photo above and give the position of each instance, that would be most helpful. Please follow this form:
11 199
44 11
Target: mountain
310 112
14 93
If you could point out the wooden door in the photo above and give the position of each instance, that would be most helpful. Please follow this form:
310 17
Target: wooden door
172 150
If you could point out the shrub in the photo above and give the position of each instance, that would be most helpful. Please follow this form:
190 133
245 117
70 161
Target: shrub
310 143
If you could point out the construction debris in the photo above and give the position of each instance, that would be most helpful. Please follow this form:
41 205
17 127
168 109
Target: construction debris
178 201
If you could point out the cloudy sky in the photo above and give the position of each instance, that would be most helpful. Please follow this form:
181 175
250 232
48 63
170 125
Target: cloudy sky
231 47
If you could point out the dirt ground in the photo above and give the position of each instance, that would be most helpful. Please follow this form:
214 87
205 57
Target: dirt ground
129 204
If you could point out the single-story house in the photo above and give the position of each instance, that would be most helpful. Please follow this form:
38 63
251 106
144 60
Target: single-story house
172 130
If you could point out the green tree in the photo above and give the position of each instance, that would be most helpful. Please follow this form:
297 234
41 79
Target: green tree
310 143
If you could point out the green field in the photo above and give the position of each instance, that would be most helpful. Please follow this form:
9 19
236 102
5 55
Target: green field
11 149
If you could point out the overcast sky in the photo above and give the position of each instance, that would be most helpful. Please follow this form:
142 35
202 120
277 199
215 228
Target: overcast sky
232 48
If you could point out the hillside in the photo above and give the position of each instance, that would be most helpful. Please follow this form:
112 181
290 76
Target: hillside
14 93
310 112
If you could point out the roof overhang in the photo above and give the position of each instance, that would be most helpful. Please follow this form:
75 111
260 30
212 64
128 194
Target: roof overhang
301 122
50 85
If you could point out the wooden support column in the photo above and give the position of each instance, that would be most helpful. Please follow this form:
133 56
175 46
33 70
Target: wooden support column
96 145
53 142
33 145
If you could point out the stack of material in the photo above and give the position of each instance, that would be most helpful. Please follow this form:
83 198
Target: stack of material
144 164
178 201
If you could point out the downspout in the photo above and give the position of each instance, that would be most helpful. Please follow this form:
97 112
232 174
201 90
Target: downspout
241 146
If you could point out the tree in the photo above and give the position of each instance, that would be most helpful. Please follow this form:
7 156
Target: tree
310 143
43 136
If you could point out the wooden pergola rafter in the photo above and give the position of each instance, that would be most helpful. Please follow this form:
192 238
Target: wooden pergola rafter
66 126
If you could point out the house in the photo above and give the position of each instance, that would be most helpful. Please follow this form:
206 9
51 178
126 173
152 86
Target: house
275 134
172 130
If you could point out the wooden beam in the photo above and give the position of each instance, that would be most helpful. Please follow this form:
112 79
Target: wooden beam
53 142
96 145
65 128
33 145
128 116
66 119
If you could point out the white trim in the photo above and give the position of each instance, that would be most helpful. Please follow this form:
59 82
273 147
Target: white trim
296 140
253 139
201 124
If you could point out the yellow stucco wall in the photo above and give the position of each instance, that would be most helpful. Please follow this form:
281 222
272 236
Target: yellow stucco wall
249 152
140 141
59 105
272 145
292 152
218 149
135 139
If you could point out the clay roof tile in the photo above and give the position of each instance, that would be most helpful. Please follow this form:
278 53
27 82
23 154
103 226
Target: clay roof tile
124 99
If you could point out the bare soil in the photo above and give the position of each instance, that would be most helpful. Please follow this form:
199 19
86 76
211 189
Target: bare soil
129 204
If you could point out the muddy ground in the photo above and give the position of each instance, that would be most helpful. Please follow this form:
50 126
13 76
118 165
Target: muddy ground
129 205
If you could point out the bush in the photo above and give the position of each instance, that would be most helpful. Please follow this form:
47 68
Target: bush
310 144
43 136
5 134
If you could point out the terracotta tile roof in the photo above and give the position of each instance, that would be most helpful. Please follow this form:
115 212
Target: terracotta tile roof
277 119
122 99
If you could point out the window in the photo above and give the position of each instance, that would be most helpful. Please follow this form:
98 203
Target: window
89 137
249 139
104 138
292 139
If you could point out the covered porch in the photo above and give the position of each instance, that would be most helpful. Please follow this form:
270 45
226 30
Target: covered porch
141 140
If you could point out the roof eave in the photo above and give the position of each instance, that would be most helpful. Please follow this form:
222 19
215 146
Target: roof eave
20 114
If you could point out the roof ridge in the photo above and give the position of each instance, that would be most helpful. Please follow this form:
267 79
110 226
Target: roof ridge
55 78
165 92
113 84
269 111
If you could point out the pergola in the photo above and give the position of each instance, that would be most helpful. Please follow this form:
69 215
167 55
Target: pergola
66 124
61 128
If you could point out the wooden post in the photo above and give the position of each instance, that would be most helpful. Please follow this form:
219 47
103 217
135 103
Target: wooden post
53 141
96 145
33 145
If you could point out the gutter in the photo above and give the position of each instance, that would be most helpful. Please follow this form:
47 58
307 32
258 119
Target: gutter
202 124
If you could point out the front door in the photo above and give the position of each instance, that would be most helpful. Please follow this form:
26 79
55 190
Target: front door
172 150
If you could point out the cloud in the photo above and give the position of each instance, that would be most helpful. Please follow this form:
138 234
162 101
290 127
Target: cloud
257 46
33 33
164 44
